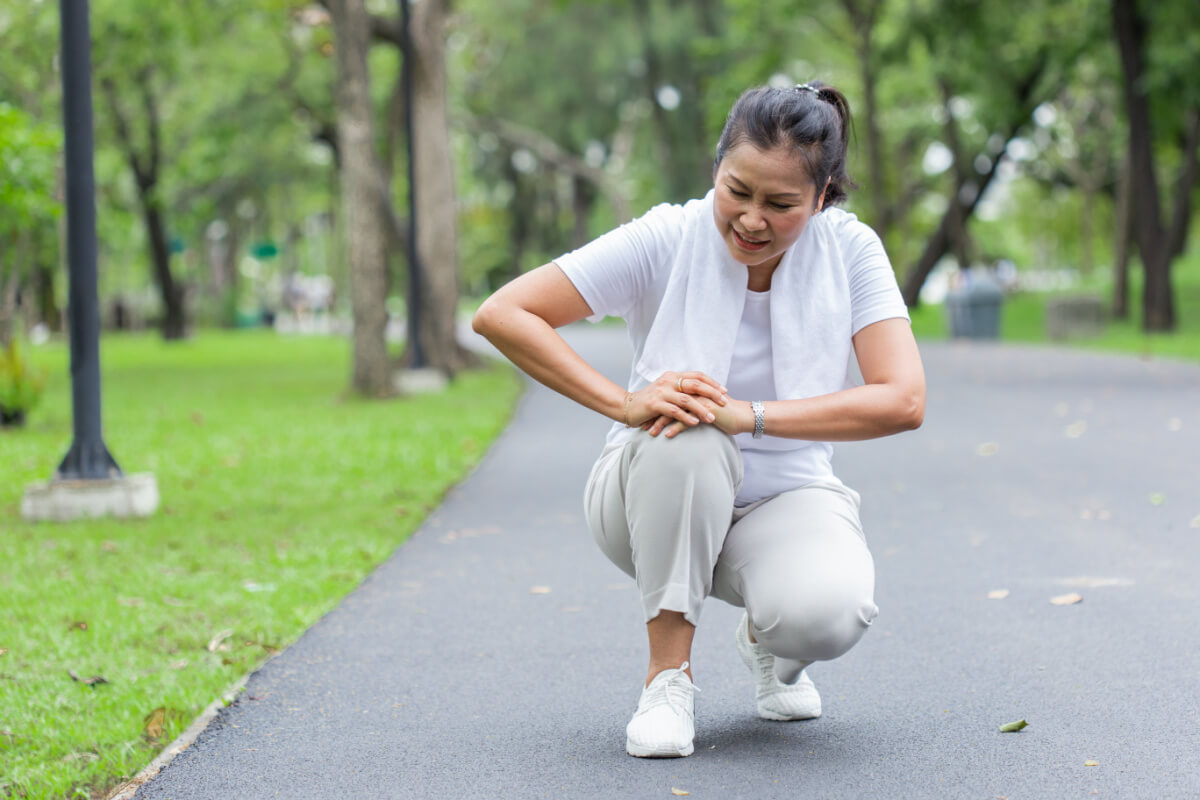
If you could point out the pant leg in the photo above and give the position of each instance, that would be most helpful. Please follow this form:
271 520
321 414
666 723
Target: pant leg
660 509
800 565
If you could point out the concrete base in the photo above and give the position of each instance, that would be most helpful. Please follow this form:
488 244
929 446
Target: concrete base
420 381
61 501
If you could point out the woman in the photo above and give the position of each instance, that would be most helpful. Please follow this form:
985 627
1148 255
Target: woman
743 308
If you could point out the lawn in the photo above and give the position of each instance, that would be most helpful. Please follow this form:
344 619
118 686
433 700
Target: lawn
279 495
1024 317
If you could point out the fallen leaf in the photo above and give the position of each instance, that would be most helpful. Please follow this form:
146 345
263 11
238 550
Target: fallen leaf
1076 429
1196 521
1062 409
678 792
987 449
180 664
997 594
1157 499
3 651
80 624
1013 727
1090 763
1105 514
84 756
92 681
539 590
572 609
218 639
1174 424
153 724
1066 599
1085 514
1087 582
108 547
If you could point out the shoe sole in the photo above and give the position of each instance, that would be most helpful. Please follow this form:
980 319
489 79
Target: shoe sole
649 752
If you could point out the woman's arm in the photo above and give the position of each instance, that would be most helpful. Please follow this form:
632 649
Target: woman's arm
891 400
520 318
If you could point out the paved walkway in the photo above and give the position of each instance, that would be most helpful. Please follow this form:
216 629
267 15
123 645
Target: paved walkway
498 654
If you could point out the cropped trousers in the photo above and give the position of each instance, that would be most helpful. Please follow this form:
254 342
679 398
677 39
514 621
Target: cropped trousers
662 510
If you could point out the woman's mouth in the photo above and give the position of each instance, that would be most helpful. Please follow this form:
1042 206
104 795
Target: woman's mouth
747 244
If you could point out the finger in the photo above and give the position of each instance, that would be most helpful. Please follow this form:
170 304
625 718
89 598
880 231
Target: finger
700 376
674 429
702 386
656 427
695 407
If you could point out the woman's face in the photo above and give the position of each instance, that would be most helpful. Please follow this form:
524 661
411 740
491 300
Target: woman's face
764 198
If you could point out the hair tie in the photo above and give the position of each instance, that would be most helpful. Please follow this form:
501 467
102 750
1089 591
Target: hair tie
807 87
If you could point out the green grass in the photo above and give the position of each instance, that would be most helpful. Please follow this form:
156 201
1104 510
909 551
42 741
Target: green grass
279 495
1024 318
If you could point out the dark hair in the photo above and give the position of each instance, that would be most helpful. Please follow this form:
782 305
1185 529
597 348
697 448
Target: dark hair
812 118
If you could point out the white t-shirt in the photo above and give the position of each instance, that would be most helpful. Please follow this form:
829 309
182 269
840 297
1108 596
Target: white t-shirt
624 273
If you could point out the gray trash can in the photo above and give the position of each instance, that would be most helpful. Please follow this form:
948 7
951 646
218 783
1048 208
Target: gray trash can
973 308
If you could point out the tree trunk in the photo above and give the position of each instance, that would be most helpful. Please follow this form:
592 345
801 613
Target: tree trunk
437 228
1124 235
1182 217
360 203
1158 312
174 321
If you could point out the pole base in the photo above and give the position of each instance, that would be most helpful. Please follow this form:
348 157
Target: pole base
89 461
66 500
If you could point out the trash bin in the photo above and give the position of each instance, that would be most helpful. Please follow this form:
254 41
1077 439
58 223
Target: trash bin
973 307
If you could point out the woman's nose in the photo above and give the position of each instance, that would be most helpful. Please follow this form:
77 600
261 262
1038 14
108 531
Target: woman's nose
753 221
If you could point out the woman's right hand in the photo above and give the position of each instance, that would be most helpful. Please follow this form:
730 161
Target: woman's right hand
674 396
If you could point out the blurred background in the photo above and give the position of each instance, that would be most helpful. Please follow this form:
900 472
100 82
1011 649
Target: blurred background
1052 144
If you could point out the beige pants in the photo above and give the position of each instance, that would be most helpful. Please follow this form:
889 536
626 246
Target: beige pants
662 510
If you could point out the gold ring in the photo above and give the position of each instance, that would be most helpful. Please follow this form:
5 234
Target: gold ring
679 384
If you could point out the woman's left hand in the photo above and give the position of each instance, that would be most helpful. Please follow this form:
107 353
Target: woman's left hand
729 418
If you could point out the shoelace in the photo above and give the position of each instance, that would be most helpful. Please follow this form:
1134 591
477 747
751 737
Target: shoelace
671 691
764 665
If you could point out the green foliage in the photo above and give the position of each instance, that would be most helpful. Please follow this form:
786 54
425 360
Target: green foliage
278 497
28 159
21 385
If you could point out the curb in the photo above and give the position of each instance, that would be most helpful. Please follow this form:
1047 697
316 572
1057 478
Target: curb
126 790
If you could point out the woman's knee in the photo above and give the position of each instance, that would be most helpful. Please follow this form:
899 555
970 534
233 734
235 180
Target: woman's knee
704 451
808 627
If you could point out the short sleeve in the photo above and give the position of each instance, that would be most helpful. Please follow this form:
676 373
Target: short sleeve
613 272
874 293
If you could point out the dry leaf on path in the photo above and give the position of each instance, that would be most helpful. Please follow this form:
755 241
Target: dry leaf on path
997 594
1157 499
1013 727
1066 599
1076 429
1174 424
539 590
678 792
218 640
1196 521
987 449
92 681
1091 763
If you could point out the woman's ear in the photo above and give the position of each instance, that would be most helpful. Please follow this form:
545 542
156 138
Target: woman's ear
821 199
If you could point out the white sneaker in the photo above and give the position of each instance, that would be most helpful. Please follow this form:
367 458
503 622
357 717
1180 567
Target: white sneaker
664 724
776 700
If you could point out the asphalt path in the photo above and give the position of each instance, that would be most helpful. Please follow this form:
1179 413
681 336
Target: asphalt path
498 654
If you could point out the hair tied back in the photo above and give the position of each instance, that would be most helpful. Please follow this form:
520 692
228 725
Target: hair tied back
807 87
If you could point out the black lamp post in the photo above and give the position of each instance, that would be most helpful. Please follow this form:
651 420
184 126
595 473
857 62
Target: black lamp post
88 458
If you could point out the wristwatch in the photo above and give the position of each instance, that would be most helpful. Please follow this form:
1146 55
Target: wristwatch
759 411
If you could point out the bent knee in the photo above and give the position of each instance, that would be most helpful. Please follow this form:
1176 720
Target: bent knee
703 447
814 629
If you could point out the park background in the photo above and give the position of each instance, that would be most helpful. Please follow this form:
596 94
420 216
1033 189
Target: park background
254 196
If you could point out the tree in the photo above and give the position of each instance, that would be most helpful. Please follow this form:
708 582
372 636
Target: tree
360 186
1159 240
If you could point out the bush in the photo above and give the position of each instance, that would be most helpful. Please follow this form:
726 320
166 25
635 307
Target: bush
21 386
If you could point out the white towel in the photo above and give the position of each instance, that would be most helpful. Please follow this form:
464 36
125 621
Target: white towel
697 321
